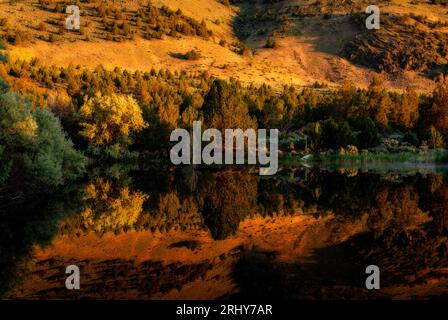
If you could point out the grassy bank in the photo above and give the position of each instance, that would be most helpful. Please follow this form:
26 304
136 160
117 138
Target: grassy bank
430 156
436 155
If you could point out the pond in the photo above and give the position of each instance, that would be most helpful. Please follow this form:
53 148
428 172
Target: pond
191 233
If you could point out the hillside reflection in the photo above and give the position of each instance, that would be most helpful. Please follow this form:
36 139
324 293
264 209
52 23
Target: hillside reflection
192 234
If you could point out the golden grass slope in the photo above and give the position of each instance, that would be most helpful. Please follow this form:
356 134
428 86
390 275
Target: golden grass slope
310 52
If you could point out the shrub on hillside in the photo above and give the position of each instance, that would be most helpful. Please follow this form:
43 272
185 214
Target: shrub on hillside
192 55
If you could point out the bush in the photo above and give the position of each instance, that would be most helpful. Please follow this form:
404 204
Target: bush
108 123
52 37
18 38
4 86
349 150
4 22
411 138
368 133
192 55
336 135
3 57
42 27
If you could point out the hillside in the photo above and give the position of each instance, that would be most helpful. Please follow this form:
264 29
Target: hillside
291 42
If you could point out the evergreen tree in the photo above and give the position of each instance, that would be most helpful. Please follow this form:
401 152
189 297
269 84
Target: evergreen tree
33 147
225 108
368 133
439 109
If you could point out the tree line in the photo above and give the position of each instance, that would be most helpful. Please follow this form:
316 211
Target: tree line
118 114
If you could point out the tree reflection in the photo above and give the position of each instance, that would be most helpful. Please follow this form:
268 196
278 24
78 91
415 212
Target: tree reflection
230 197
26 224
111 207
439 208
406 214
396 208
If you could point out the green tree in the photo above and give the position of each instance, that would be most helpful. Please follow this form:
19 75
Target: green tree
33 146
336 135
368 133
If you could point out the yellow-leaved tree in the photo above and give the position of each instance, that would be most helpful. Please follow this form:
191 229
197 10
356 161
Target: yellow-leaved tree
108 123
111 207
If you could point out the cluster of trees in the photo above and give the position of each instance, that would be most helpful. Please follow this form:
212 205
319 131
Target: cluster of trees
106 112
153 21
116 22
107 20
193 200
34 150
165 99
166 21
376 110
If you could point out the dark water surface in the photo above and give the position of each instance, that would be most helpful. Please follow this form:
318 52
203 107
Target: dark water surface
197 234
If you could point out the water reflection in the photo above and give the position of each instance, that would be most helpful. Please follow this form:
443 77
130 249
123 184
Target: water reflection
229 199
193 233
26 224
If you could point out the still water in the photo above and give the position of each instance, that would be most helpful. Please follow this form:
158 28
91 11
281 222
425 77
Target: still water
165 233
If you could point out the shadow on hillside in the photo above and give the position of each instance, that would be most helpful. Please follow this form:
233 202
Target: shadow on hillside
328 274
412 260
254 19
336 28
260 19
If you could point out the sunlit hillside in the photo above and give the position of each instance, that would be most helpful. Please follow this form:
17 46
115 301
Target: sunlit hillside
280 42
